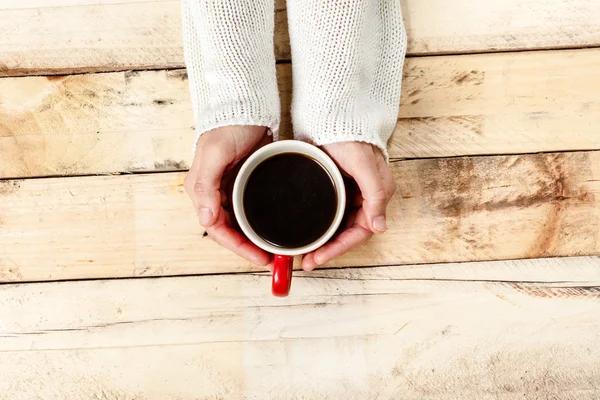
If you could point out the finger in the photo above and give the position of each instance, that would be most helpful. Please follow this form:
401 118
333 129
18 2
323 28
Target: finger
308 262
203 182
386 173
222 233
375 192
344 242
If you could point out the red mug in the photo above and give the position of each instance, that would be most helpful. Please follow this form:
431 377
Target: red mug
284 257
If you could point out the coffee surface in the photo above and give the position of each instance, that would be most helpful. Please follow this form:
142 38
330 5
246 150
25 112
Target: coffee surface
290 200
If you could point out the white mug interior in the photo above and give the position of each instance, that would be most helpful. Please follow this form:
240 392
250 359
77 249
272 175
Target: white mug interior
287 146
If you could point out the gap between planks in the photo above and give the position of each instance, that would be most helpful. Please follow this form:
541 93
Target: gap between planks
393 160
57 72
324 272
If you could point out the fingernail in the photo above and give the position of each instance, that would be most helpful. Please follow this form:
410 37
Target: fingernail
310 260
379 223
205 215
310 268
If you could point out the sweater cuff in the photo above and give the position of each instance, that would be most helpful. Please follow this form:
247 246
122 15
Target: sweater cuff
271 123
322 131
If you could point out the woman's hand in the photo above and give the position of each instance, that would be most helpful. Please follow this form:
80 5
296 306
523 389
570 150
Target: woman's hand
210 181
366 165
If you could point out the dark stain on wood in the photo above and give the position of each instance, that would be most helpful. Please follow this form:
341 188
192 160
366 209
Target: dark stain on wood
130 75
171 165
163 102
459 187
415 101
462 171
549 292
553 186
8 187
473 77
180 74
458 124
443 177
415 71
414 92
90 93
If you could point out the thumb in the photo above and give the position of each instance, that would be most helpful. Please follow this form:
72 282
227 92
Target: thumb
203 184
375 193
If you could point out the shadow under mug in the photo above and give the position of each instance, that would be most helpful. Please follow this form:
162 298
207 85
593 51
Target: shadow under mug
284 257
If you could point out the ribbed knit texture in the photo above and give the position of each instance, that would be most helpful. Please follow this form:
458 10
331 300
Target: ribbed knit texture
231 65
347 59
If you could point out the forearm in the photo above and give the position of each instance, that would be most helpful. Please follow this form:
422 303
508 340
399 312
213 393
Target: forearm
231 66
347 64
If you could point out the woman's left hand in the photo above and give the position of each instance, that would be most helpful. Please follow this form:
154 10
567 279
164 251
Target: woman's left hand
367 166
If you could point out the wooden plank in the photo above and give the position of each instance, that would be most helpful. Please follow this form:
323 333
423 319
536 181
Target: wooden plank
95 124
499 104
442 27
501 330
66 36
446 210
457 105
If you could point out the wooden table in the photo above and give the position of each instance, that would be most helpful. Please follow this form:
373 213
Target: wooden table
487 285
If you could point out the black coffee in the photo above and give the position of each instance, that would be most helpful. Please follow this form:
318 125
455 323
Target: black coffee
290 200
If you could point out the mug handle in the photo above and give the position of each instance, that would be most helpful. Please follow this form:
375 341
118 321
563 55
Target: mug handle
282 275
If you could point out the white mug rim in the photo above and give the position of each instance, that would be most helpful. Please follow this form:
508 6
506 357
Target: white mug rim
280 147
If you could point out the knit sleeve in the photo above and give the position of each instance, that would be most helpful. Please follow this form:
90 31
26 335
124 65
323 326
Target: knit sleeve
347 69
228 47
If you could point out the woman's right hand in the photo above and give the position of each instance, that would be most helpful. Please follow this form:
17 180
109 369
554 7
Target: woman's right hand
210 180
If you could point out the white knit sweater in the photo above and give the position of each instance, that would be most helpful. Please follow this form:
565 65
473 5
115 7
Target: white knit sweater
347 59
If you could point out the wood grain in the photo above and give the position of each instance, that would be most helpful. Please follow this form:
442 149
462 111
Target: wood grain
508 330
446 210
456 105
499 104
66 36
441 27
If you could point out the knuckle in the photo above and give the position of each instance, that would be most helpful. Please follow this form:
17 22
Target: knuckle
355 238
194 186
344 245
380 195
201 189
